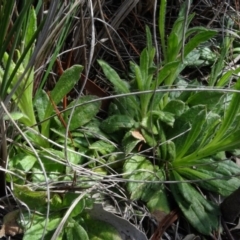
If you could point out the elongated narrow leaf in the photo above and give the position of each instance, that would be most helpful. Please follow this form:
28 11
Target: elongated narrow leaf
139 78
202 214
149 137
196 29
209 99
221 185
187 126
171 150
64 85
163 147
165 72
225 48
150 48
161 24
149 41
210 125
41 102
230 143
197 40
225 78
119 85
230 115
144 60
31 28
192 135
173 47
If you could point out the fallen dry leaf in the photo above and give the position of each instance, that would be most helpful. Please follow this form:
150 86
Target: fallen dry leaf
136 134
10 226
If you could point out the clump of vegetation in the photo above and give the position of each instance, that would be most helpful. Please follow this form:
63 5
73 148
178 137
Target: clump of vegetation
175 136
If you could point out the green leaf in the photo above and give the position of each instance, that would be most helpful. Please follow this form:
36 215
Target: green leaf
162 139
128 106
230 143
152 67
102 147
34 199
159 201
230 115
210 99
220 185
73 157
100 230
149 137
73 230
83 113
56 202
27 162
129 142
15 116
202 215
228 168
144 79
41 102
161 25
173 47
67 201
138 168
36 229
163 116
120 86
198 39
175 107
183 125
210 125
139 78
64 85
156 100
144 61
123 226
192 135
23 95
171 150
149 42
193 59
116 123
225 78
31 28
165 72
225 50
52 168
149 125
